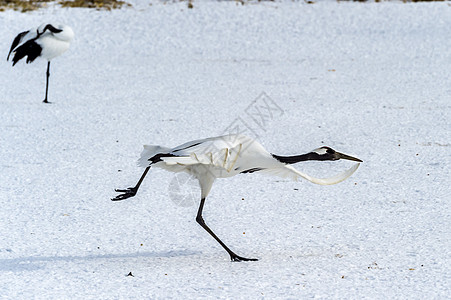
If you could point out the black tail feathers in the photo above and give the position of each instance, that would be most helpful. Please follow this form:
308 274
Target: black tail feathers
30 49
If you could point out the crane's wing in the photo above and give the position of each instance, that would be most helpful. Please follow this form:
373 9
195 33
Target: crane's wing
221 158
288 171
19 38
30 49
212 144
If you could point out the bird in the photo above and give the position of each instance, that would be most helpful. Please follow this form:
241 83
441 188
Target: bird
227 156
46 41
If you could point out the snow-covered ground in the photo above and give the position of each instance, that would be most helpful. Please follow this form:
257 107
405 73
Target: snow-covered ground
369 79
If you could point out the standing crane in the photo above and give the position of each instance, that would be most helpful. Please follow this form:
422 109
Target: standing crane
46 41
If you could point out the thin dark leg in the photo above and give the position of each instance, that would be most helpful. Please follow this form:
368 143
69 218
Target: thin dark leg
47 83
201 221
131 191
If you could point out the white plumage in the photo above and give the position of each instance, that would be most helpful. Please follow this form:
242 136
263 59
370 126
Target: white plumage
226 156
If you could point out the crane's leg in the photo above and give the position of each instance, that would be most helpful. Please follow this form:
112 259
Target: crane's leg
201 221
47 83
131 191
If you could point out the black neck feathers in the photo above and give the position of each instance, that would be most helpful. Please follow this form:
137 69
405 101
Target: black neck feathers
52 29
48 27
298 158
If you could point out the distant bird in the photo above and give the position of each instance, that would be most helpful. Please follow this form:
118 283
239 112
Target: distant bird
46 41
227 156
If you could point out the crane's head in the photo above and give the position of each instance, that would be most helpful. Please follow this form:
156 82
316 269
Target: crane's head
327 153
60 32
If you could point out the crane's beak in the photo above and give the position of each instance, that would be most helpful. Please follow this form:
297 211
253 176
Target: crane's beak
348 157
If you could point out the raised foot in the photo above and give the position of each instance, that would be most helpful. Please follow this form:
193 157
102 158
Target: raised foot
127 193
240 258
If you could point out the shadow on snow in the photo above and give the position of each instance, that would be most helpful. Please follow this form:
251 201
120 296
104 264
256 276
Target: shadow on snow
38 262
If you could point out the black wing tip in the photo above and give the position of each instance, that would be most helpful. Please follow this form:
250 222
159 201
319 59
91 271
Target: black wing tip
251 170
16 42
30 49
15 60
157 158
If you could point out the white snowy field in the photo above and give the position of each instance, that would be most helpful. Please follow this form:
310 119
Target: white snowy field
369 79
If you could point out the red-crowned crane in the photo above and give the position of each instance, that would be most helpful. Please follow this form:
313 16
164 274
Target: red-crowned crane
46 41
227 156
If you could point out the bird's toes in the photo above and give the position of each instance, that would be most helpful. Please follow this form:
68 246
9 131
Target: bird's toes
127 190
118 198
127 193
122 197
240 258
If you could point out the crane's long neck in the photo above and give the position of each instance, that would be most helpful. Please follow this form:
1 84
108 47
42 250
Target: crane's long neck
298 158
